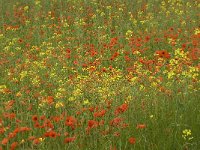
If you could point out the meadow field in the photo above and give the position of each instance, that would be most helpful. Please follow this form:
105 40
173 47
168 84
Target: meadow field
99 75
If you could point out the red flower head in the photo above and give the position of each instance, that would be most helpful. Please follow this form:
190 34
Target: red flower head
163 54
13 145
141 126
100 113
4 141
34 118
132 140
115 121
50 99
121 109
92 123
51 134
71 121
69 139
36 141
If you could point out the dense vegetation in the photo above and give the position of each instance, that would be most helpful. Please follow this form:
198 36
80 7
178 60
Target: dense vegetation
106 75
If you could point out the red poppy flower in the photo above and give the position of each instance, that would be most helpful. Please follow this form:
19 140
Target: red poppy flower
71 121
12 135
42 117
163 54
69 139
132 140
2 130
51 134
92 123
125 125
91 109
141 126
48 124
13 145
56 118
34 118
31 138
115 121
36 141
100 113
22 129
50 99
4 141
116 134
115 55
103 69
9 115
121 109
37 124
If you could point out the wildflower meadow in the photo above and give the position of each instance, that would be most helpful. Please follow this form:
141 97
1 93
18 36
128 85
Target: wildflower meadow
99 75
